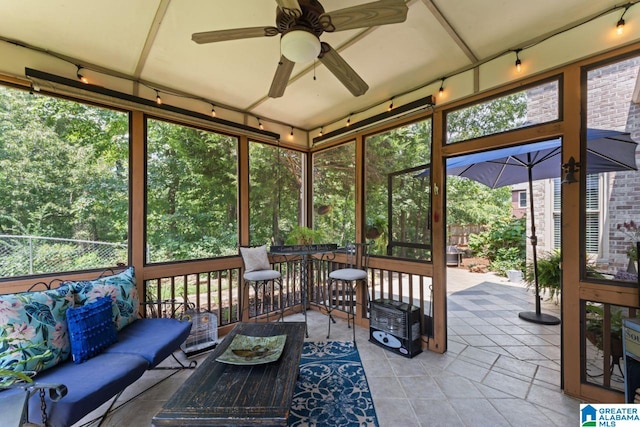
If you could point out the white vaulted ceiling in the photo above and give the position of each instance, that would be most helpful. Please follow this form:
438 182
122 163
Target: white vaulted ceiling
150 41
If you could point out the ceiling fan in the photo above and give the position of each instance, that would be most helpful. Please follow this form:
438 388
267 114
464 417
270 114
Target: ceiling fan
301 23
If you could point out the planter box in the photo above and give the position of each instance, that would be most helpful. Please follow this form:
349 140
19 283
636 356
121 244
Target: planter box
514 276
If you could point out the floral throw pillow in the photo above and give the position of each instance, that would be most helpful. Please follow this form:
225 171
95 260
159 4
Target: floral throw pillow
34 333
121 288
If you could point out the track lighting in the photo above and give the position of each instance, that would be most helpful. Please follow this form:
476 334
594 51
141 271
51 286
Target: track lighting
81 76
291 134
260 123
518 61
441 90
320 133
349 121
390 105
213 110
158 99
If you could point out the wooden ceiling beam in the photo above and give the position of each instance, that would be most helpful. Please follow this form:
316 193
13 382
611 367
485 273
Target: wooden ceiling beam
450 30
148 44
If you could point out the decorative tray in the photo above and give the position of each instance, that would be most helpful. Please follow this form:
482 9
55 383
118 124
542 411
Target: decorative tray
248 350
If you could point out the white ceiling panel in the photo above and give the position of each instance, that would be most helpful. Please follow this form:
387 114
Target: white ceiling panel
392 59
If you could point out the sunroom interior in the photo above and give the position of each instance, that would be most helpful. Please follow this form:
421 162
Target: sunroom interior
189 148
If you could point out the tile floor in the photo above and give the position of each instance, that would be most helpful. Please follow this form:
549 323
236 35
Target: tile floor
499 370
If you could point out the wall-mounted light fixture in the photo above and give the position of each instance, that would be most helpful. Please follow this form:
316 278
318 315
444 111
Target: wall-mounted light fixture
569 169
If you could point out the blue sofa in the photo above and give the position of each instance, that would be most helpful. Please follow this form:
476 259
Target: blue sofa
90 381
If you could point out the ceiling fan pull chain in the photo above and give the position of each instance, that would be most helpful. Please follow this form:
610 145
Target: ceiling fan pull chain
314 70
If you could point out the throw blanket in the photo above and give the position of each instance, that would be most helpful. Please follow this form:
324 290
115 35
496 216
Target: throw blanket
332 388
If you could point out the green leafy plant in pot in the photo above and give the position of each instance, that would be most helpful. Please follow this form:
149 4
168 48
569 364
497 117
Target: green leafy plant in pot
550 273
301 235
376 227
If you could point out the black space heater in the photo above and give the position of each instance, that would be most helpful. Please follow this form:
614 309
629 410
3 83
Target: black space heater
395 325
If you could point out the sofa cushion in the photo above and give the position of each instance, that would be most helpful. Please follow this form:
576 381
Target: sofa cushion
32 323
91 329
89 385
153 339
255 258
121 288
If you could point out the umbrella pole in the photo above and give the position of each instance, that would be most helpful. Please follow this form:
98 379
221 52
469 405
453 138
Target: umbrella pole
537 316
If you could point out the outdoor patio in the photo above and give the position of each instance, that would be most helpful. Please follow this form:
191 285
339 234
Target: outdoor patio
498 370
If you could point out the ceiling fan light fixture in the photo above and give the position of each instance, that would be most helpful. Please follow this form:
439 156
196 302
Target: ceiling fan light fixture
300 46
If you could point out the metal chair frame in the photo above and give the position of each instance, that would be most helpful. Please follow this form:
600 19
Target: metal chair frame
261 285
349 275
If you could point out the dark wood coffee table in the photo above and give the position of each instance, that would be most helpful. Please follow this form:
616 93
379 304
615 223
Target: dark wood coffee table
222 394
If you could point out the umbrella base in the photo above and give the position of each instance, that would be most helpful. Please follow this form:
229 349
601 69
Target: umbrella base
541 318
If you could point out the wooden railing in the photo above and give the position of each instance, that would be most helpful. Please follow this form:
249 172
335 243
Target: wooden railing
220 290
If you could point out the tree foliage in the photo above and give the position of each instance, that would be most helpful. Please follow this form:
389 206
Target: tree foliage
64 173
390 161
63 168
275 193
503 244
191 193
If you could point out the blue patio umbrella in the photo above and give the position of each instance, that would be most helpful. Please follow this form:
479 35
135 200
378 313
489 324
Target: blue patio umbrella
607 151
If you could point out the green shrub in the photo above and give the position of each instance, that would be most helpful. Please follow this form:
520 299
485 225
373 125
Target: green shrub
508 259
503 244
549 273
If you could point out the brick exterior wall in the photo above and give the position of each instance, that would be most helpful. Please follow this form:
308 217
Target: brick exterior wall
610 89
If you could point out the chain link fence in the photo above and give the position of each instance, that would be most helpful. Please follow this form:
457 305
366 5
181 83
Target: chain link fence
27 255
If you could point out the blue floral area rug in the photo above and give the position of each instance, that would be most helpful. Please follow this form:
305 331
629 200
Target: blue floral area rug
332 389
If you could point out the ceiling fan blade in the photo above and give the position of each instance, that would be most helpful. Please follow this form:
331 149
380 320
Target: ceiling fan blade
343 72
281 78
234 34
291 7
366 15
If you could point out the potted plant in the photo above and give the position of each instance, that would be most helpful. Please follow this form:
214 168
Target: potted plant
631 230
376 227
632 253
549 274
301 235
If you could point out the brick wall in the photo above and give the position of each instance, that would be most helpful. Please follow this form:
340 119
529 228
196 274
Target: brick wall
609 107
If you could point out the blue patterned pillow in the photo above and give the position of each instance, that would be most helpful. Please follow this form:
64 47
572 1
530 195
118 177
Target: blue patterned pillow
122 290
32 323
91 329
